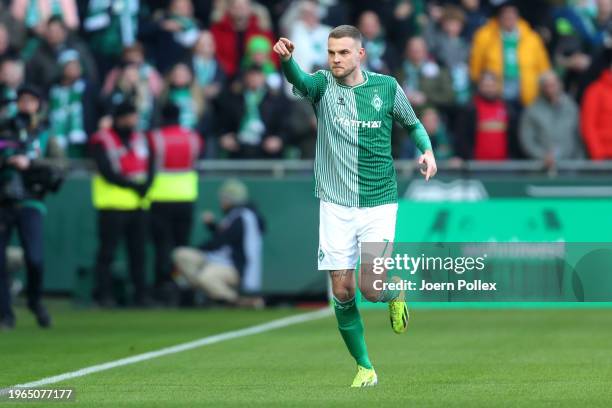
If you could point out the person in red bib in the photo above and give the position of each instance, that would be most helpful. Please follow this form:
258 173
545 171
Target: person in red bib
124 175
175 150
487 126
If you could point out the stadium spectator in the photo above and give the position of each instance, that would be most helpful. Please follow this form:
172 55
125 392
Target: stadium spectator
381 56
250 118
202 10
175 188
134 55
11 77
603 19
451 50
182 90
406 21
330 13
258 52
72 107
475 17
173 35
210 80
207 71
508 47
596 111
134 87
260 11
21 201
110 26
440 140
309 36
549 126
33 14
233 32
7 44
43 68
228 267
487 127
576 36
333 12
423 79
124 174
301 129
16 33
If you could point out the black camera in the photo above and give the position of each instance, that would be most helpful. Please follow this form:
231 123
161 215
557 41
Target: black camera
41 177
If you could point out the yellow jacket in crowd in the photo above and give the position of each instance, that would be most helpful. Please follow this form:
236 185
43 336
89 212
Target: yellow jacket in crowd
487 51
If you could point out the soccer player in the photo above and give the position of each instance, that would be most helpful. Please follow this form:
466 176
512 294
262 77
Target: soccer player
354 173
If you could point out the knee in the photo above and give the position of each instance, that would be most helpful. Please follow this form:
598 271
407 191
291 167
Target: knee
178 256
343 292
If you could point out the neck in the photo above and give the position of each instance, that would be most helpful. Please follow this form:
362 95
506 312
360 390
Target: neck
553 99
240 24
354 78
68 81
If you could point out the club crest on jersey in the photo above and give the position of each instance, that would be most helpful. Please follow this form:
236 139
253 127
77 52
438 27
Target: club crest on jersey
377 102
340 101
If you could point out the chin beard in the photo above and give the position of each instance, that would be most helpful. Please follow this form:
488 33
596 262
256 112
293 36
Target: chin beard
345 75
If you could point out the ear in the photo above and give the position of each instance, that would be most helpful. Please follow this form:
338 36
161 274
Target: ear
361 52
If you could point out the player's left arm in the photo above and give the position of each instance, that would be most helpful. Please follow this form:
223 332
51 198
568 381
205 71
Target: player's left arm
404 114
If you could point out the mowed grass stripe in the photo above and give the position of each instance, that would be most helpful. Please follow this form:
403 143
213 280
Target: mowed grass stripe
447 359
249 331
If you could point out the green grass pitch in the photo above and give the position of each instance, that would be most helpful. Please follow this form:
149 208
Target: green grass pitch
448 358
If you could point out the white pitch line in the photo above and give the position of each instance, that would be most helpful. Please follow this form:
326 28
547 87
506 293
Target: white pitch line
204 341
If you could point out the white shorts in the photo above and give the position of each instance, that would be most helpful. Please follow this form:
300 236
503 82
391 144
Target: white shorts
343 229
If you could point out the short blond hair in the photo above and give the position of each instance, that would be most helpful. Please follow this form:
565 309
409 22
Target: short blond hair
346 30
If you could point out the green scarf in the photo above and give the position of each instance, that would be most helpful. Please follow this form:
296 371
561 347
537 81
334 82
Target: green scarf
32 16
113 24
185 22
204 70
411 76
181 97
10 108
375 50
251 127
189 30
511 66
66 117
510 44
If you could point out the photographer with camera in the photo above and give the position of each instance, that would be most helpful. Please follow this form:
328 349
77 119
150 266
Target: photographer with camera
25 178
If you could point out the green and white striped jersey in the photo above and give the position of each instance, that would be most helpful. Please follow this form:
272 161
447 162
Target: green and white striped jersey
353 162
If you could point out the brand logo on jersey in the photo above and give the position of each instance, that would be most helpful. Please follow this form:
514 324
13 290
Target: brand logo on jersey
341 101
372 124
377 103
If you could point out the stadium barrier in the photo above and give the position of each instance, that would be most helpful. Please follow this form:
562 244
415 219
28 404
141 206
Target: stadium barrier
517 200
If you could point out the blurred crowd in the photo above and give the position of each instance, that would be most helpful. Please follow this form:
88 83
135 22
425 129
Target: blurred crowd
490 79
146 88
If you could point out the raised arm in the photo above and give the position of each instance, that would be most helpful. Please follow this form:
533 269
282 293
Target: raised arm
306 85
296 77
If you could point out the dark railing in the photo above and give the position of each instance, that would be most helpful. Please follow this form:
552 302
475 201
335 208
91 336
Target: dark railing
283 168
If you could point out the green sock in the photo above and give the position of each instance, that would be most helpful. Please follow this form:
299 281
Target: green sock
351 329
